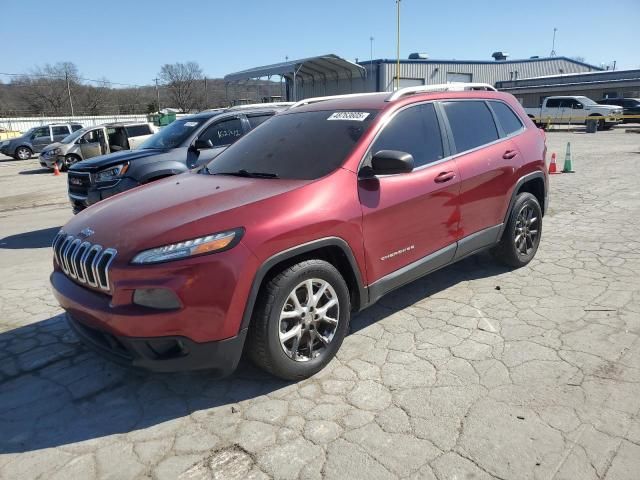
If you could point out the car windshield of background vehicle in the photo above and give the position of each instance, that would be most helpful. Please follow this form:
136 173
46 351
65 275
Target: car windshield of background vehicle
74 136
173 134
301 146
586 101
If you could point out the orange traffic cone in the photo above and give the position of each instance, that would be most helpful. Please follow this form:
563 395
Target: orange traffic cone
553 168
56 170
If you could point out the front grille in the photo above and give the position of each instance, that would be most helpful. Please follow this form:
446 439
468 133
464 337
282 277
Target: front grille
83 262
79 183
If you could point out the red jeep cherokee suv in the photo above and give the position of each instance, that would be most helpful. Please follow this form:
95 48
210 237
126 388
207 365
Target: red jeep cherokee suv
314 215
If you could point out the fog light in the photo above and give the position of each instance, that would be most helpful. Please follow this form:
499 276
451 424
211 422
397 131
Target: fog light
159 298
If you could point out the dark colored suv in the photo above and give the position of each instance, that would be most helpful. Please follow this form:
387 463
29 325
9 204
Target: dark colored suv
630 106
314 215
36 139
186 143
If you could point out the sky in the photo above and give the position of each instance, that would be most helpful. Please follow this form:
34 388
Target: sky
128 41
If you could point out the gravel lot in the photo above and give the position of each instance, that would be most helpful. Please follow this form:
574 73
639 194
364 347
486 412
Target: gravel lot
474 372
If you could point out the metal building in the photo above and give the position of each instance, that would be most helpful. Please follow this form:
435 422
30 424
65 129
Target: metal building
596 85
332 75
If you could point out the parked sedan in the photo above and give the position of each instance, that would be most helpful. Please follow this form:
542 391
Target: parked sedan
185 144
631 106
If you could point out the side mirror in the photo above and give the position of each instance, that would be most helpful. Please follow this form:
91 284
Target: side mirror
391 162
202 144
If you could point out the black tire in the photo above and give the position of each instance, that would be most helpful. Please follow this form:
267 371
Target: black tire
264 347
23 153
508 251
68 161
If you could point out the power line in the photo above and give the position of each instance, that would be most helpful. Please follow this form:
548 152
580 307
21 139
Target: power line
63 77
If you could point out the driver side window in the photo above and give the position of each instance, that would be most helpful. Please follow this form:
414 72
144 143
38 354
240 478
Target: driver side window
414 130
41 132
223 133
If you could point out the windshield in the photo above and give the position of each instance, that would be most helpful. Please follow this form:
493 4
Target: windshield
74 136
173 134
302 146
586 101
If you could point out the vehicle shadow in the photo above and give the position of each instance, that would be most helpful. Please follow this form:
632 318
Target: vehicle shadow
35 239
56 392
36 171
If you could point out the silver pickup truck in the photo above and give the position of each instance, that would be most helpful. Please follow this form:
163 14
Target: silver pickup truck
574 110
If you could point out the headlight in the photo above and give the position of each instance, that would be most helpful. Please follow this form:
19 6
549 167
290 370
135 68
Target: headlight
112 173
57 151
216 242
4 144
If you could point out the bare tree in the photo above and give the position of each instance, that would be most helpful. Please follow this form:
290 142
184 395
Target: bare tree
92 98
46 90
183 83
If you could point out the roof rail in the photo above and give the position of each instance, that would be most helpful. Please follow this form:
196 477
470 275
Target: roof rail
440 87
307 101
258 105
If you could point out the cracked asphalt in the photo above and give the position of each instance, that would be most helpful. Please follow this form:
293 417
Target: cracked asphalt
473 372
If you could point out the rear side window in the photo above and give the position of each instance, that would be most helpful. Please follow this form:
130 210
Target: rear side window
75 128
508 120
138 130
60 131
415 131
471 123
223 133
258 119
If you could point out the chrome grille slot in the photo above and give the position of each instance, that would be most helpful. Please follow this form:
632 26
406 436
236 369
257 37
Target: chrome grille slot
83 262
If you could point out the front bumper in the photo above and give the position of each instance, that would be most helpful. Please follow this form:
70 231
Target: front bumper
94 193
48 161
163 354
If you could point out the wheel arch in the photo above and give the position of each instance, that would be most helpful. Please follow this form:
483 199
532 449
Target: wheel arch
334 250
533 183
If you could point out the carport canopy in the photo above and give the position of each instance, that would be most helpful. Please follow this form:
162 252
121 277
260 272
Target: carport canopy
324 67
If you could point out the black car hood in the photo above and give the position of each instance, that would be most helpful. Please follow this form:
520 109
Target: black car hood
104 161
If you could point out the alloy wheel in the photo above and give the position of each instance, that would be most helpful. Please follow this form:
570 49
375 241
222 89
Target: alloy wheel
23 153
526 231
309 320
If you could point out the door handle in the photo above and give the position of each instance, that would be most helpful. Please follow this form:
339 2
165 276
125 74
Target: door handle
509 154
444 177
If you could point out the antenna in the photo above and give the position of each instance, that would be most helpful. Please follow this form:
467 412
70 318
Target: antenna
553 45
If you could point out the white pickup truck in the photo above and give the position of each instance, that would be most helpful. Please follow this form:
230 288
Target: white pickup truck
575 110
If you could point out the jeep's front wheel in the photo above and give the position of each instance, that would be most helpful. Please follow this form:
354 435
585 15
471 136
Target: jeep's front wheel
301 317
521 236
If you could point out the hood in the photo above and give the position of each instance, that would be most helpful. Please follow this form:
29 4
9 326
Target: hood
52 146
104 161
177 208
607 107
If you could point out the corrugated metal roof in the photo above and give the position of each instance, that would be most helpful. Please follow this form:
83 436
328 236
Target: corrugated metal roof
489 62
572 79
323 66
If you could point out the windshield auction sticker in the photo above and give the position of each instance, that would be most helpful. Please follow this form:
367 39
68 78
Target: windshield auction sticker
353 116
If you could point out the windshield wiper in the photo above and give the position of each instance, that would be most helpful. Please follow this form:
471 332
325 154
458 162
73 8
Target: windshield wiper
248 174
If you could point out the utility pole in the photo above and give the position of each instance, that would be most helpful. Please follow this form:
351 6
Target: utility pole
371 39
398 46
206 94
157 94
66 77
553 45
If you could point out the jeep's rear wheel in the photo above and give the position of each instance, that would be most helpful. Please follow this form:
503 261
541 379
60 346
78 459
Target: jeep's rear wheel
521 236
301 317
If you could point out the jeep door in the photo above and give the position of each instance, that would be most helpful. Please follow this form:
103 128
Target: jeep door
486 158
409 216
40 138
221 134
93 143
